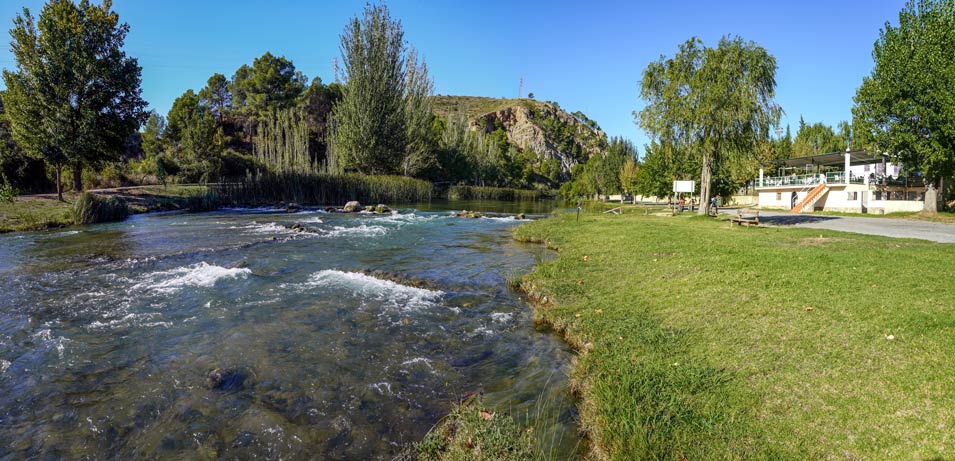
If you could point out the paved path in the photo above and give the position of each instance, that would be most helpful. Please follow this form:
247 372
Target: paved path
889 227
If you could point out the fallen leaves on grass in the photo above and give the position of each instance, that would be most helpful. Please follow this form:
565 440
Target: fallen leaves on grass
486 415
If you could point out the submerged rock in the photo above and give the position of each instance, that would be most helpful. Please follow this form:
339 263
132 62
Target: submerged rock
467 361
226 379
351 207
469 214
293 208
520 216
382 208
297 228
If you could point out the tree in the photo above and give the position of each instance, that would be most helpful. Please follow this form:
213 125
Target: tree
152 134
714 103
530 95
814 139
369 134
216 95
75 96
271 83
906 106
420 142
193 136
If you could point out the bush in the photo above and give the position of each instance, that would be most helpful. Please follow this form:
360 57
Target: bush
90 208
8 193
472 432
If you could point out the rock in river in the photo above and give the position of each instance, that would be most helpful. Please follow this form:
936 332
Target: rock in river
226 379
352 207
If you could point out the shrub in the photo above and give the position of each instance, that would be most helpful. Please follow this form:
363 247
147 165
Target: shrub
90 208
8 193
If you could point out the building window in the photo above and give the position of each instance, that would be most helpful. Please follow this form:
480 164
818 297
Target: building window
852 196
779 196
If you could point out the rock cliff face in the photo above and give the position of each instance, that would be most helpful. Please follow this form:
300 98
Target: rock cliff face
546 130
542 128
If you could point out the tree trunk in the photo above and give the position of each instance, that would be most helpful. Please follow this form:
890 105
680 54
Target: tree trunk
931 197
706 177
59 181
77 177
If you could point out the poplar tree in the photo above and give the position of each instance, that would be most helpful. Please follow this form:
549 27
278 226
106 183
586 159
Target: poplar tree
74 97
906 107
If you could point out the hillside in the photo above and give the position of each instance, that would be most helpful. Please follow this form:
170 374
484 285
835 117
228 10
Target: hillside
537 127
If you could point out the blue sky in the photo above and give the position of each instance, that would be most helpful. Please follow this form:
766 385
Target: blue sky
588 56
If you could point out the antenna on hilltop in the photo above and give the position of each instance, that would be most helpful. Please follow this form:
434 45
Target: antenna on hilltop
520 89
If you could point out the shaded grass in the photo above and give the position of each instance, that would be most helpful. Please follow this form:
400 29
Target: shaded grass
705 341
25 214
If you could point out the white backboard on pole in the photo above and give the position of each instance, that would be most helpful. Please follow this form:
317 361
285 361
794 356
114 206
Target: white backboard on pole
684 186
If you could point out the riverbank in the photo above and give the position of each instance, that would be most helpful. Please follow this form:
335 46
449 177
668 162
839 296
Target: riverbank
703 341
44 211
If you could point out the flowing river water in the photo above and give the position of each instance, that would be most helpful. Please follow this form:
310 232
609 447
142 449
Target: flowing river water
228 335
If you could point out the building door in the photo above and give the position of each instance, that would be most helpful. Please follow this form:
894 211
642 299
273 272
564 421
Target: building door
865 201
793 201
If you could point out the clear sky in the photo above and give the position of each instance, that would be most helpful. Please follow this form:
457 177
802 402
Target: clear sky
587 56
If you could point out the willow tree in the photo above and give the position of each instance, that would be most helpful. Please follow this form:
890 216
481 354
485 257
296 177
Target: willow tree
712 103
74 96
906 107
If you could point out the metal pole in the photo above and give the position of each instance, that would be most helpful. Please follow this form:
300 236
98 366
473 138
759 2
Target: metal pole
578 211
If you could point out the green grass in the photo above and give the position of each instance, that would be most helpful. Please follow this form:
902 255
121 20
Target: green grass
90 208
474 432
26 214
37 212
702 340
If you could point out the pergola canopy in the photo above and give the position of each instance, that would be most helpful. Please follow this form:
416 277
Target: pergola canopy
856 157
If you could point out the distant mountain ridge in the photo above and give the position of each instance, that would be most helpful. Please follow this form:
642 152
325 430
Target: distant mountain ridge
542 127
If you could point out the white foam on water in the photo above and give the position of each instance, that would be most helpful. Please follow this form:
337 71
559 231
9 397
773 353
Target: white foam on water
417 360
381 387
499 218
65 233
394 294
128 320
315 220
481 331
264 228
501 317
4 365
359 231
197 275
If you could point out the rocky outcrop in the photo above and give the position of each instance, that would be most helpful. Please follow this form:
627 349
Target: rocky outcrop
547 130
352 207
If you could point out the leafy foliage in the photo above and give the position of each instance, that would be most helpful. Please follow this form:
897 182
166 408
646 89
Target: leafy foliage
907 105
91 208
711 103
74 95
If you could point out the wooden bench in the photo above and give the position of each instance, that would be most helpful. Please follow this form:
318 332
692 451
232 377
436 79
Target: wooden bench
745 220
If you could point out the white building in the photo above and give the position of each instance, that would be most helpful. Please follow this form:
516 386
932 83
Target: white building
851 181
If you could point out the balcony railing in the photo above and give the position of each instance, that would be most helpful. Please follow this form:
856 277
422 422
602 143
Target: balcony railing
791 180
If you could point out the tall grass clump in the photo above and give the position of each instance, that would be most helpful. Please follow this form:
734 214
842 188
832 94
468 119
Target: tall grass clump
323 189
203 201
90 208
496 193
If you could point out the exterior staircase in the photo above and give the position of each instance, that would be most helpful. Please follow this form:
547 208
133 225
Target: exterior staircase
815 194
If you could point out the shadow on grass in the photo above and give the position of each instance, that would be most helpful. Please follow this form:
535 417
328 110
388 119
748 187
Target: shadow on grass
792 220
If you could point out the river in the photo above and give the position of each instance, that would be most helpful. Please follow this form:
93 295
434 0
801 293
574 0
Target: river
229 335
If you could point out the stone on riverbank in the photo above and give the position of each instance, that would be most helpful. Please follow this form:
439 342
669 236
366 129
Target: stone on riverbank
469 214
382 209
352 207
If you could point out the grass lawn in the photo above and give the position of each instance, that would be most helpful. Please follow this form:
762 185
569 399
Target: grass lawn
702 340
36 212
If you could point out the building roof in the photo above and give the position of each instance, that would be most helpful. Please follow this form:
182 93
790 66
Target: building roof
856 157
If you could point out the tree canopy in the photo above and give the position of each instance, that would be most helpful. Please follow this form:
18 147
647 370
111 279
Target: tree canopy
75 95
713 103
906 106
